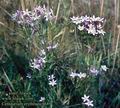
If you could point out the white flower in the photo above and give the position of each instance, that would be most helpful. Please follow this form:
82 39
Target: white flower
103 67
43 42
85 98
55 46
76 20
89 103
101 32
28 75
26 12
43 52
73 75
52 46
97 18
91 30
51 77
42 99
52 82
81 75
80 27
48 15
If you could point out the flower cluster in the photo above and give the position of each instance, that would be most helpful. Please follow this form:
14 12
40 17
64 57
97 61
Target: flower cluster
92 25
31 18
80 75
87 101
38 63
52 80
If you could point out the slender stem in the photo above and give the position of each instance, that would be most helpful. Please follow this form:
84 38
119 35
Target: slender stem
58 9
116 50
103 43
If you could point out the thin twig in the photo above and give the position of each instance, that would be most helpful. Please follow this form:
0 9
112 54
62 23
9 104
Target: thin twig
116 50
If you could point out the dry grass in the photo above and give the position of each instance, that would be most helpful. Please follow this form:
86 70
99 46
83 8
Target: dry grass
24 4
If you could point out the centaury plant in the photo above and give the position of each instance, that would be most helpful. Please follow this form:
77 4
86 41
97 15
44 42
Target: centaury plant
63 62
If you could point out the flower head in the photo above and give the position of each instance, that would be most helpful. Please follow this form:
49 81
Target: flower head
94 71
104 67
50 47
42 99
51 77
89 103
85 98
76 20
73 75
52 82
37 63
43 52
81 75
29 75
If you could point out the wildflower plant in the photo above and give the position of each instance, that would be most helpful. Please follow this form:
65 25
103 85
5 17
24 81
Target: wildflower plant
50 71
62 64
